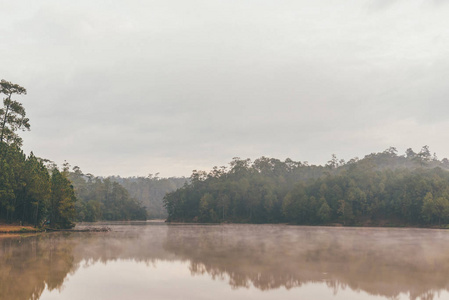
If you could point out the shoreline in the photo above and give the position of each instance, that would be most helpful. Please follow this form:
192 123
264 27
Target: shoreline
14 229
9 230
337 225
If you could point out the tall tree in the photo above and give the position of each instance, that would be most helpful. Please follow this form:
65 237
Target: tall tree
62 201
12 114
37 187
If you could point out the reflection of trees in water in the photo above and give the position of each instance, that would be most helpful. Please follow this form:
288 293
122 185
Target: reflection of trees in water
28 265
381 262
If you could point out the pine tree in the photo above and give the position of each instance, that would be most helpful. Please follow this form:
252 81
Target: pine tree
62 201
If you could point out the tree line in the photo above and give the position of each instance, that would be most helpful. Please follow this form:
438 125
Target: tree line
381 189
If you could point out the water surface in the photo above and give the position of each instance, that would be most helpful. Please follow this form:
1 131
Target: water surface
153 260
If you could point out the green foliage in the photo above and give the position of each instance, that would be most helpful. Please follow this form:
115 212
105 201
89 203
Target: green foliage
38 188
324 213
246 192
29 195
12 114
62 201
382 188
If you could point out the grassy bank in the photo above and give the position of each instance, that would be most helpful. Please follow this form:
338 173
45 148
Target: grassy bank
4 228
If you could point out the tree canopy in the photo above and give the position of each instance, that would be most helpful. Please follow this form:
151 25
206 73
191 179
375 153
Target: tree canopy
380 189
12 114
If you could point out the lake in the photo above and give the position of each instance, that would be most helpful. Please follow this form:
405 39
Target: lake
150 260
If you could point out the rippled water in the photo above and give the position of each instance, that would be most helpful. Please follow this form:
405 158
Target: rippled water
157 261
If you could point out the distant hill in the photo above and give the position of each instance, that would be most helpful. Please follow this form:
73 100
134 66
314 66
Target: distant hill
118 198
150 191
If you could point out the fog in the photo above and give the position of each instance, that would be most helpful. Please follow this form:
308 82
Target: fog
410 263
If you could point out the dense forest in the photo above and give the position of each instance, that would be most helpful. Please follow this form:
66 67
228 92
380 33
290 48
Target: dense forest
380 189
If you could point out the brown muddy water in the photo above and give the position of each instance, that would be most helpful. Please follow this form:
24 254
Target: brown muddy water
150 260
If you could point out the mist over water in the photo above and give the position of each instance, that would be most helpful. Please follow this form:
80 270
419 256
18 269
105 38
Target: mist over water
141 260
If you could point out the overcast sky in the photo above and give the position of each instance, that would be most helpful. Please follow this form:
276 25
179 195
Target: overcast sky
137 87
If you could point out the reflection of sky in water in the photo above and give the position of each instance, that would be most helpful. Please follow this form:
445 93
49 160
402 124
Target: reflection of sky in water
126 279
